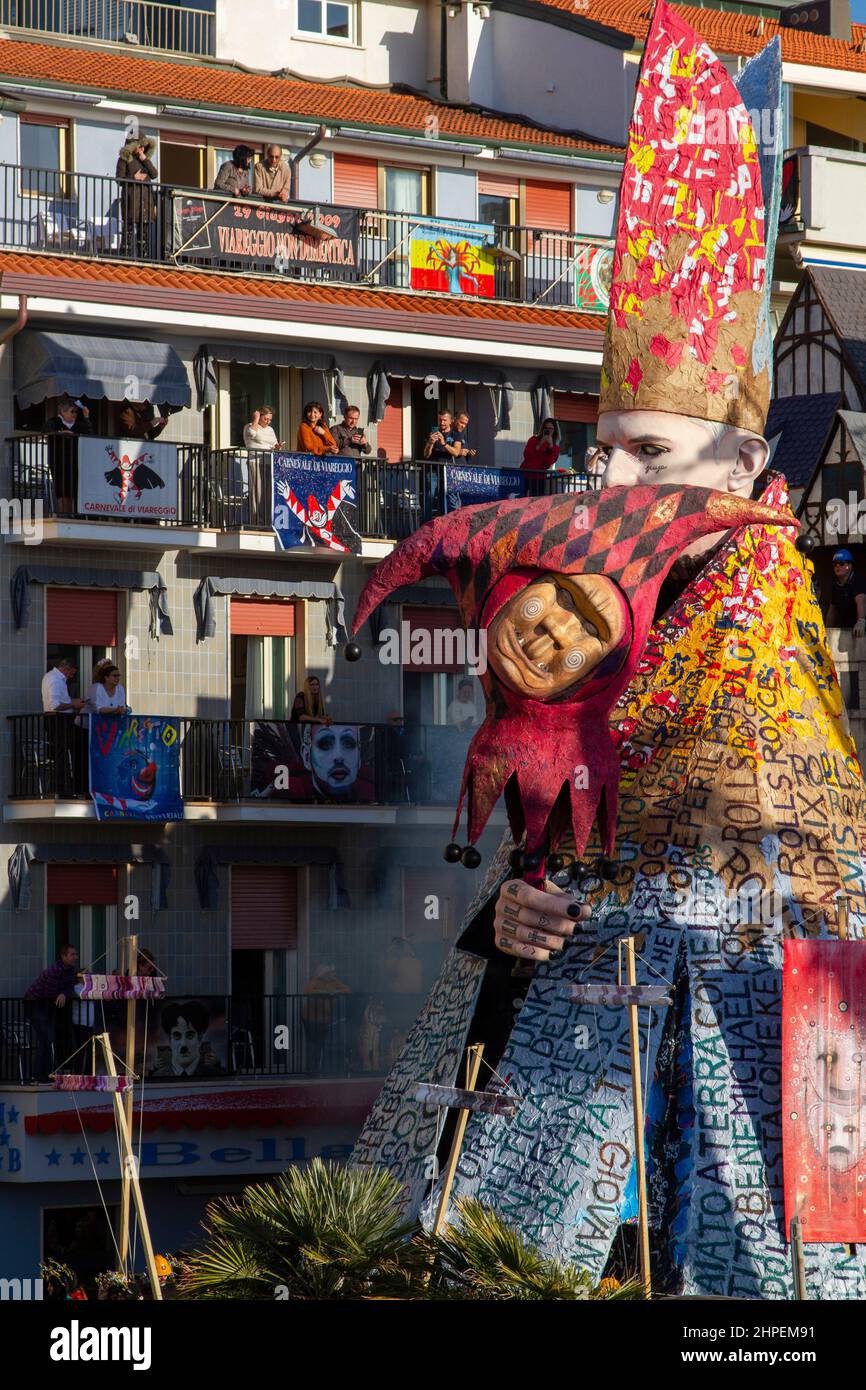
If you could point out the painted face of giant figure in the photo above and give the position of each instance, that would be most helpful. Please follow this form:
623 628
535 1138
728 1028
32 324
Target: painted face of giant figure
657 446
554 633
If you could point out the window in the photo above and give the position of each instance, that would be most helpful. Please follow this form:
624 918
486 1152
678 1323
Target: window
250 387
327 18
44 153
82 628
495 208
263 658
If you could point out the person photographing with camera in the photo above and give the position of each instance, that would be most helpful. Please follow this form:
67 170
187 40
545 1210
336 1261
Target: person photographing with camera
350 439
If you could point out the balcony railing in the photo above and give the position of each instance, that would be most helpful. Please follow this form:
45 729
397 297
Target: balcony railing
230 489
100 216
297 1035
146 23
224 761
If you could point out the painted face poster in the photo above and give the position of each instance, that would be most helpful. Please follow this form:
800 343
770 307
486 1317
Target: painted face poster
313 762
466 486
314 503
453 258
135 767
824 1088
127 478
187 1038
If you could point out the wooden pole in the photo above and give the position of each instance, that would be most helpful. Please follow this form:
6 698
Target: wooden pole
798 1266
637 1102
842 917
473 1066
129 966
130 1169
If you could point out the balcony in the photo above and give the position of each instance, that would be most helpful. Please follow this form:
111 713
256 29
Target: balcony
149 24
228 491
823 202
288 1035
94 215
230 771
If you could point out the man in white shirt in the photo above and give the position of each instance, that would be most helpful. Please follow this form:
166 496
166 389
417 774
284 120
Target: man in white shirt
55 689
461 712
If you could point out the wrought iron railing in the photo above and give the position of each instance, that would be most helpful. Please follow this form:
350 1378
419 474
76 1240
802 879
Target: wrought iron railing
349 1034
97 215
147 23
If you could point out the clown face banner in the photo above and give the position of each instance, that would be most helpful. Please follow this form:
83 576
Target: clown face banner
312 762
823 1100
135 767
127 478
314 503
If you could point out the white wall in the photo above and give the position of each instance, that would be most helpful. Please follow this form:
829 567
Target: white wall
391 47
832 187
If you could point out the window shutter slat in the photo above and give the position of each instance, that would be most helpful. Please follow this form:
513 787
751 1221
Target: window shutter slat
258 617
441 649
86 617
497 186
264 907
356 181
86 884
579 408
390 430
547 206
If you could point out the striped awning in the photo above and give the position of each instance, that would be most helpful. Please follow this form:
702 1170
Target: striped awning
77 364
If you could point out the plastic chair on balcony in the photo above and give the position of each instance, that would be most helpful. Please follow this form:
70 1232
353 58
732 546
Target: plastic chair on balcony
60 227
16 1038
232 767
241 1045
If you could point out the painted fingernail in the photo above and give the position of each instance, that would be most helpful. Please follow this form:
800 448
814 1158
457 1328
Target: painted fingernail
575 910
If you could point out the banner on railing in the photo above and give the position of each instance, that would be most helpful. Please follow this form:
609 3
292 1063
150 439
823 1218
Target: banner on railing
314 502
135 767
179 1037
312 762
269 237
823 1108
121 986
593 272
127 477
453 258
466 485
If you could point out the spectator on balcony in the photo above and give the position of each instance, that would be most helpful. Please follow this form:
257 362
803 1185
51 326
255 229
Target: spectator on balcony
299 709
272 177
442 444
847 596
50 993
462 713
133 422
106 695
461 426
233 177
260 433
319 1016
56 698
73 417
314 711
351 440
542 449
314 437
136 172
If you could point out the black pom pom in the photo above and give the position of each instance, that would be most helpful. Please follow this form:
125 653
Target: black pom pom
806 543
554 863
607 868
515 859
452 853
532 862
352 651
471 857
576 869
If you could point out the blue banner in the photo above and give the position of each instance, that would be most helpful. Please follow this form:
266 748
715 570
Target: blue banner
135 767
314 502
465 486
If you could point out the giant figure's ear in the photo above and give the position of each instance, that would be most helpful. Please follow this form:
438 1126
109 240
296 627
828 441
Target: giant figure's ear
750 454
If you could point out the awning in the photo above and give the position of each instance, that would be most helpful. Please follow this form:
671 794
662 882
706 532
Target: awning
138 581
18 868
249 354
295 855
346 1102
325 591
51 364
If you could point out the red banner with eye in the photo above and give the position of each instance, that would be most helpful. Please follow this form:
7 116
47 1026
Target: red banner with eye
823 1100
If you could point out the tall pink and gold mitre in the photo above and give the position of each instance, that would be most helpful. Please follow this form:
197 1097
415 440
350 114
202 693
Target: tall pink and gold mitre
689 271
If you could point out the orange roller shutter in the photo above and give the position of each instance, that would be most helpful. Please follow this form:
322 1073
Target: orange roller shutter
496 186
389 435
264 907
87 617
259 617
87 884
441 648
356 181
579 408
547 206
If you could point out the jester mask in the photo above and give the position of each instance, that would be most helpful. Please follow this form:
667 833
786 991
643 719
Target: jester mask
562 592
